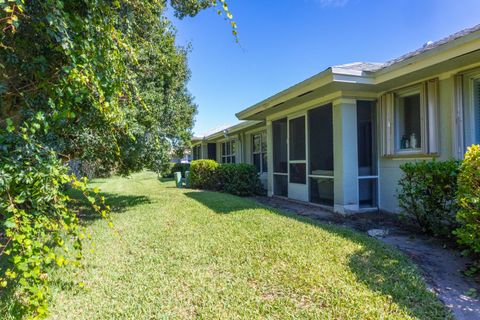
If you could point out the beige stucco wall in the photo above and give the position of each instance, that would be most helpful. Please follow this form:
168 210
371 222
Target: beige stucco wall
389 167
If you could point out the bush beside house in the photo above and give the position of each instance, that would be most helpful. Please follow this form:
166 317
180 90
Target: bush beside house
427 194
443 197
468 198
203 174
239 179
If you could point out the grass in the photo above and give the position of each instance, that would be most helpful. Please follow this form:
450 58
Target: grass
187 254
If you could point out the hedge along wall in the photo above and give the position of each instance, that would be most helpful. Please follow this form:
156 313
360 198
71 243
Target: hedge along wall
203 174
239 179
468 199
427 194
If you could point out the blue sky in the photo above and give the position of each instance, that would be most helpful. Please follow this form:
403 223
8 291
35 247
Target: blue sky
283 42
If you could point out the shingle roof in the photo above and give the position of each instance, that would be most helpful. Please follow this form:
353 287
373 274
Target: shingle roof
362 66
375 66
431 45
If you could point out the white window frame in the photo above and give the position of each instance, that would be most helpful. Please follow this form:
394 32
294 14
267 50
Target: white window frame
417 90
196 152
260 152
469 110
428 120
231 155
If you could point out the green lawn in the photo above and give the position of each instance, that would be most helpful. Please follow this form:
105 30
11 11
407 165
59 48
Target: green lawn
191 254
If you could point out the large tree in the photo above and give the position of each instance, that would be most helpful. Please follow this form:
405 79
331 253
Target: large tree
96 80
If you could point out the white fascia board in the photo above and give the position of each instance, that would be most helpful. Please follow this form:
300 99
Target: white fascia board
233 129
349 78
309 84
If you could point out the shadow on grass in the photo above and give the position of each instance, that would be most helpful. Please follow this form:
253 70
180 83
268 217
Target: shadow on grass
378 266
117 202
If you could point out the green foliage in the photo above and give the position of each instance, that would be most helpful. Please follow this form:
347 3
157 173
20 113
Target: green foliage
180 167
38 223
108 79
468 198
427 194
203 174
240 179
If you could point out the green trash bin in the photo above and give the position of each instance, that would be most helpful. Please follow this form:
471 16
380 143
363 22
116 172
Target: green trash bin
178 179
187 179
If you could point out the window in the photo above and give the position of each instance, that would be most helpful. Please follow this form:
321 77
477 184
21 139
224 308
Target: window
409 120
259 151
476 112
228 151
212 151
196 152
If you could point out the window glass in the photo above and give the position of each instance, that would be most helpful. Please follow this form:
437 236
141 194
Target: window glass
212 151
227 148
297 138
264 163
257 162
298 173
259 152
264 142
279 130
476 96
408 122
321 140
256 142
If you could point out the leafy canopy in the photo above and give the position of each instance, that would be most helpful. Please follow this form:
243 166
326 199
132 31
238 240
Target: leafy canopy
100 81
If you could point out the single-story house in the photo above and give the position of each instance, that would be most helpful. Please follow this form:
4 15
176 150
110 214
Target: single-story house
338 138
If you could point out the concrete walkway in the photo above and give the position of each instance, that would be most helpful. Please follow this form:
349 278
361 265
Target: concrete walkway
440 264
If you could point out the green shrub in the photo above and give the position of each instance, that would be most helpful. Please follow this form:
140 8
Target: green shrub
427 194
239 179
180 167
468 198
203 174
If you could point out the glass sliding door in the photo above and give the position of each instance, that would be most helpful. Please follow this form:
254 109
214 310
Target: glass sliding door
320 130
367 155
297 162
280 157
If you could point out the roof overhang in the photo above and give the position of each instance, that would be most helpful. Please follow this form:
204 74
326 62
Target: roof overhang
454 54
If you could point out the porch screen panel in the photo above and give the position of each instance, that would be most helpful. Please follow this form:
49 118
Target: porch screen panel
367 159
280 185
297 138
280 160
367 155
320 124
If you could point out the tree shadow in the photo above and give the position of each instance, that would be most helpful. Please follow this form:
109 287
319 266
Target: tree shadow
118 203
379 266
222 203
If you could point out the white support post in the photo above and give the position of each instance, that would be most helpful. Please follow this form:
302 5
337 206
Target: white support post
345 156
270 158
